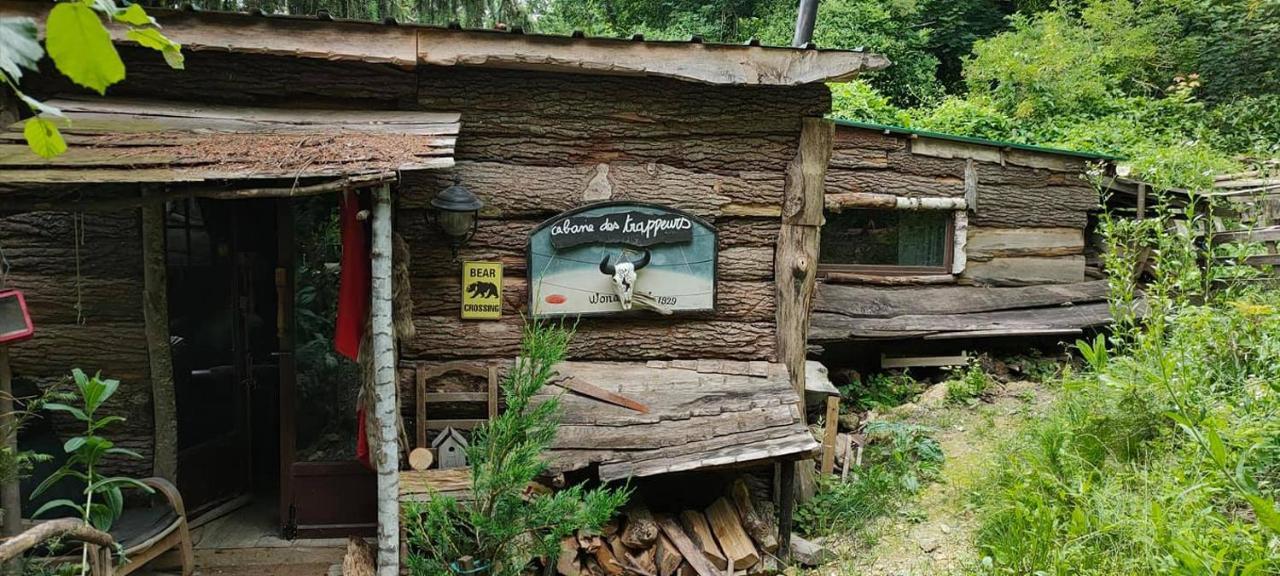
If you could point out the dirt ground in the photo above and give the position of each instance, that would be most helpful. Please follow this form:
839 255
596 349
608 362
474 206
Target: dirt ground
933 536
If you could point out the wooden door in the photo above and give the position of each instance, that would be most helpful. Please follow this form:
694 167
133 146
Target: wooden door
325 492
209 285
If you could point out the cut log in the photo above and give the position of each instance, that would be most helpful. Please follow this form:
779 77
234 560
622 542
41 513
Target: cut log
669 557
764 533
567 563
695 524
604 555
641 531
420 459
615 544
646 561
727 527
808 553
692 552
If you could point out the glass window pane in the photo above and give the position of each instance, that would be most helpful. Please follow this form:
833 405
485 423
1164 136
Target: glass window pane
886 238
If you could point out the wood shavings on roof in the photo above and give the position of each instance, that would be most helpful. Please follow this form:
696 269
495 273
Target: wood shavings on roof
114 141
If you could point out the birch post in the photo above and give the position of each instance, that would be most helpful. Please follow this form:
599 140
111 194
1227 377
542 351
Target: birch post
155 316
387 454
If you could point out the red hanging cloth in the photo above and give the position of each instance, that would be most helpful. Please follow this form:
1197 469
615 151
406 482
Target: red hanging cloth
353 288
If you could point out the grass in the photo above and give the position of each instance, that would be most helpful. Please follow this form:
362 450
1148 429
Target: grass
1160 458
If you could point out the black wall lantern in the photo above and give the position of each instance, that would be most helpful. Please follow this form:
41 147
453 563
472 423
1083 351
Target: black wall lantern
456 211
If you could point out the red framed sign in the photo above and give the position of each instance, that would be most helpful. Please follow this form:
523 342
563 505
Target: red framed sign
15 320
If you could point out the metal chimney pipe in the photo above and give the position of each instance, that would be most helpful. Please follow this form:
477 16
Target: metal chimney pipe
805 19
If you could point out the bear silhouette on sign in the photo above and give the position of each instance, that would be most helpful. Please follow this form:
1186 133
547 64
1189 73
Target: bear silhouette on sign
482 290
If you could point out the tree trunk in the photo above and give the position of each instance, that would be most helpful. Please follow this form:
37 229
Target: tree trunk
155 309
387 457
10 495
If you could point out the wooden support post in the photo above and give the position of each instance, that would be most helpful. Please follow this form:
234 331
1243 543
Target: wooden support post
796 259
155 316
387 456
1142 200
10 492
786 511
829 435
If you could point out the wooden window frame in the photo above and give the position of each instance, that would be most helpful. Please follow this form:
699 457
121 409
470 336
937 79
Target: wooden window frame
948 258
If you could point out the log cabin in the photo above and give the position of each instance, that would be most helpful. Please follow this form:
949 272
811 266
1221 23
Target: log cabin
936 243
194 243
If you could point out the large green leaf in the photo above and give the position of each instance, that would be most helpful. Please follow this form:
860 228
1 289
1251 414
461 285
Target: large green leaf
76 412
59 503
43 137
134 15
81 48
152 38
19 47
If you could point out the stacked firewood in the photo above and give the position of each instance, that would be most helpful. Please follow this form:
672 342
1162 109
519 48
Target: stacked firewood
734 534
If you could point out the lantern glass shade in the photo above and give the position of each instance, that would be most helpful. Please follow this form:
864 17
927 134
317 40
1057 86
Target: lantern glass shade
456 211
456 224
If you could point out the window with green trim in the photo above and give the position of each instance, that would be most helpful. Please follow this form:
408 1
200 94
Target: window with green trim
887 241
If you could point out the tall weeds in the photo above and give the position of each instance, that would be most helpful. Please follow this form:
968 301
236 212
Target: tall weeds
1163 456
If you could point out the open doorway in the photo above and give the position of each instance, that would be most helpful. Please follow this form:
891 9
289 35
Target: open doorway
267 424
221 259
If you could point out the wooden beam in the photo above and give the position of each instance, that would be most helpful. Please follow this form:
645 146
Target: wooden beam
386 405
830 426
155 313
407 46
796 260
887 280
864 200
787 504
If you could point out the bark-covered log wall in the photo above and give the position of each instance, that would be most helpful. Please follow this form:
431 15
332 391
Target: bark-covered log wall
535 144
1028 209
82 280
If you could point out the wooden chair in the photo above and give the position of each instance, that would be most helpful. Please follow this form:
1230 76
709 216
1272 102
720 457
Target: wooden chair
146 533
143 534
426 374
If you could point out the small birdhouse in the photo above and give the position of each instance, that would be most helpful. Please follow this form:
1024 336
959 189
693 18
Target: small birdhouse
451 449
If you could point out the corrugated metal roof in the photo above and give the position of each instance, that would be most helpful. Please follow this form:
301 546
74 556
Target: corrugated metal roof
974 140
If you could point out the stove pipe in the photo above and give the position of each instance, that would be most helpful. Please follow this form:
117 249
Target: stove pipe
805 19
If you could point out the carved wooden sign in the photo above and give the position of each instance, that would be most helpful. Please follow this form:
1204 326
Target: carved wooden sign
614 257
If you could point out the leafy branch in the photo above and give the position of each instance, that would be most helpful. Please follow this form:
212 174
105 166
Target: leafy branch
78 42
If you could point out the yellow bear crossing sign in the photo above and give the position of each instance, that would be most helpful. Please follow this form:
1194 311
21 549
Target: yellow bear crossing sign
481 290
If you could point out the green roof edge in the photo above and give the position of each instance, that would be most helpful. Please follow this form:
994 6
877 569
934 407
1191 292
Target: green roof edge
973 140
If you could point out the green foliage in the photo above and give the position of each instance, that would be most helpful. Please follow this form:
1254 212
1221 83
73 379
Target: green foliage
880 390
858 101
967 385
78 43
85 454
504 527
898 460
1164 458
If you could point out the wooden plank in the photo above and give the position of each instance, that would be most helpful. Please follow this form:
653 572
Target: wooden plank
708 63
693 553
986 243
887 279
1264 234
915 362
727 527
829 434
1005 333
862 301
835 327
937 148
695 525
1023 271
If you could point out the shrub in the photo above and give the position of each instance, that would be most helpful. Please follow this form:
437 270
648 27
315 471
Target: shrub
505 526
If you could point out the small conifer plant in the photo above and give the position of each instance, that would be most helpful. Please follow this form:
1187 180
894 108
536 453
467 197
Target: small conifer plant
505 526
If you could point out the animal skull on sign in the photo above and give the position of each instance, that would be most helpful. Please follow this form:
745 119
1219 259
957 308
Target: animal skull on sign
624 276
